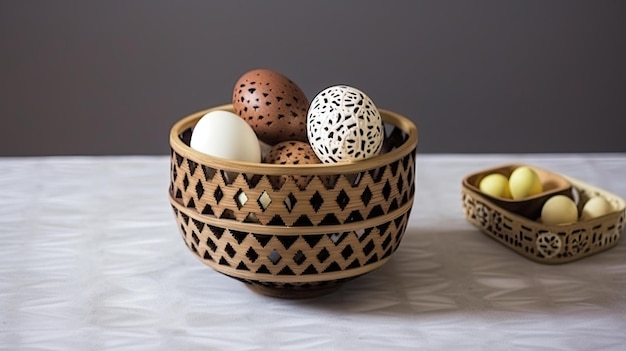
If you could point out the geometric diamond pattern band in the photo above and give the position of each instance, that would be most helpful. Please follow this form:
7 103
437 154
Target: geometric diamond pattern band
281 258
253 198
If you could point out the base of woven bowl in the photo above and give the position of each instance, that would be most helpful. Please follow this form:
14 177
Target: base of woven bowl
294 293
294 290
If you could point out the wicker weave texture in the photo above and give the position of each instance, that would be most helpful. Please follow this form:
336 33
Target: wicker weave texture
326 200
290 258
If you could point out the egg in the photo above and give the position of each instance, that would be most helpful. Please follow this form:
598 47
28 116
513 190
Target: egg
595 207
524 182
291 152
558 210
496 185
273 105
223 134
343 124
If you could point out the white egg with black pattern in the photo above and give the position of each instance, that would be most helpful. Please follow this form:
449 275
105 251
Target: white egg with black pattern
343 124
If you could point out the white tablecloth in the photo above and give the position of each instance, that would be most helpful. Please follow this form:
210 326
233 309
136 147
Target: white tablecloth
91 259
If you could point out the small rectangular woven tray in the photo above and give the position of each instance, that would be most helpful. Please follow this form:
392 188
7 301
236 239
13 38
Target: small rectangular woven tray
543 243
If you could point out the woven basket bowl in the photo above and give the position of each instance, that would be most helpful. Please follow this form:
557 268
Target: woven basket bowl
293 231
549 244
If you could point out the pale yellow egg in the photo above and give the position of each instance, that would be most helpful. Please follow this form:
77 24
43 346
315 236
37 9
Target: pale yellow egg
524 182
496 185
559 209
595 207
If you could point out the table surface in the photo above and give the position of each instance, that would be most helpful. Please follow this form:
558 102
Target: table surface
91 258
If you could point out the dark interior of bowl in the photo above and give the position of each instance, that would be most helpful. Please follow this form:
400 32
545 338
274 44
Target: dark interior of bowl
530 207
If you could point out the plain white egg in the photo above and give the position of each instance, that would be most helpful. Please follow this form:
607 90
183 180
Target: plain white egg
224 134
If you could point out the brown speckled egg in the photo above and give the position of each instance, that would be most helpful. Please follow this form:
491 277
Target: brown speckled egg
274 106
291 152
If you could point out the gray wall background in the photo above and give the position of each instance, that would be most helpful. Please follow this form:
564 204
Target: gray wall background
111 77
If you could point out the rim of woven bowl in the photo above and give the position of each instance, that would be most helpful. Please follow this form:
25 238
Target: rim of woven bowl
405 124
